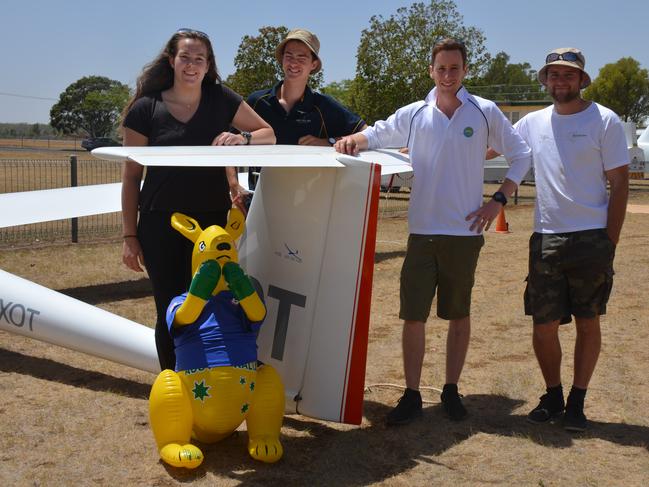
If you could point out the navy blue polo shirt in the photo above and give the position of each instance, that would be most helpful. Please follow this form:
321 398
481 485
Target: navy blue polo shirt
315 114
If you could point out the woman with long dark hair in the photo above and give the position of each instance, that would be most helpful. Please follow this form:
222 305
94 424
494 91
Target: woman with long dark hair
179 100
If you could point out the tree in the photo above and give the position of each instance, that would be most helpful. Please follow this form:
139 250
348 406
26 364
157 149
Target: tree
255 63
503 81
340 90
624 88
92 104
394 54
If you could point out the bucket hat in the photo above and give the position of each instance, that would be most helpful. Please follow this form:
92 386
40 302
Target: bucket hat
308 38
565 56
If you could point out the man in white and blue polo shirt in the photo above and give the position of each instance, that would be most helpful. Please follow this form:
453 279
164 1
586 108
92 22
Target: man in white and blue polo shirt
447 136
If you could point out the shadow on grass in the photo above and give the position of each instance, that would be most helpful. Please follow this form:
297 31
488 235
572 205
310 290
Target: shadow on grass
46 369
383 256
317 453
322 455
107 293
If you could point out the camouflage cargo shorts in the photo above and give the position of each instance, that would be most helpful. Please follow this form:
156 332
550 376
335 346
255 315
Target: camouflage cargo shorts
569 274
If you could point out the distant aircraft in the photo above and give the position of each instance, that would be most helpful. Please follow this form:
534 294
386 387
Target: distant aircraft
643 143
309 241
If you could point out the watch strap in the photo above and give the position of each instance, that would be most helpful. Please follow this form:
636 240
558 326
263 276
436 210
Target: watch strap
500 197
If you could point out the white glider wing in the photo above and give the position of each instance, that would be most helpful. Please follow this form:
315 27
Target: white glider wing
214 156
391 161
57 204
29 207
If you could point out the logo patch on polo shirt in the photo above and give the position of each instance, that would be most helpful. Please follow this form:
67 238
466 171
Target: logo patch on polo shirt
468 131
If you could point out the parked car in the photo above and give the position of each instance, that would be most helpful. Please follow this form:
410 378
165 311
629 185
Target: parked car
95 142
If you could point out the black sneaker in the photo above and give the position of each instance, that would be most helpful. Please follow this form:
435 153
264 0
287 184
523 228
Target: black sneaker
408 408
549 408
453 404
575 420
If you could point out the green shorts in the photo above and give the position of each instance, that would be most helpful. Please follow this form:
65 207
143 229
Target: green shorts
569 274
445 263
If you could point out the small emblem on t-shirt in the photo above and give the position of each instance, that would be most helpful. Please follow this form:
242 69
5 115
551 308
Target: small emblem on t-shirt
468 131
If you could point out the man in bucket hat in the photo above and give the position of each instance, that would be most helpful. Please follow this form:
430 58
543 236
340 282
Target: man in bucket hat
297 114
578 147
565 56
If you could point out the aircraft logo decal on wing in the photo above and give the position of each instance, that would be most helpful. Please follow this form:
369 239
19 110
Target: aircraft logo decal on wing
292 254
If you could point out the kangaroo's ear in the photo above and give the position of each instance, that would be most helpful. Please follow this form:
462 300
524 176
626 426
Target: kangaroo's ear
186 225
236 223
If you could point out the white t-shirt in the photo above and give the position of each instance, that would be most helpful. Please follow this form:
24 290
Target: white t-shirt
448 157
570 154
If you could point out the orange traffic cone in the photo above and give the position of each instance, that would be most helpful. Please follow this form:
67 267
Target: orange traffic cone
501 224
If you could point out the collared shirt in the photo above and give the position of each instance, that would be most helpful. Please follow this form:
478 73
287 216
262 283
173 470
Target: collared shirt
315 114
448 157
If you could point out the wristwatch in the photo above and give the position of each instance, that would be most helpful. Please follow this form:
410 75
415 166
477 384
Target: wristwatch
331 140
247 136
500 197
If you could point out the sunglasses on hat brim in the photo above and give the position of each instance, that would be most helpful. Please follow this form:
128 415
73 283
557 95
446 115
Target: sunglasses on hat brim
571 57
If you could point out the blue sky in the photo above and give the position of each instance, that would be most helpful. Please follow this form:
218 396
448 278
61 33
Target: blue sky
48 45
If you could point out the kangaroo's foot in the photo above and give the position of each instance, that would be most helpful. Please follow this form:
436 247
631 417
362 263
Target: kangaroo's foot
265 448
188 456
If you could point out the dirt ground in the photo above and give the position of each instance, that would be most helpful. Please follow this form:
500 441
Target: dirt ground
70 419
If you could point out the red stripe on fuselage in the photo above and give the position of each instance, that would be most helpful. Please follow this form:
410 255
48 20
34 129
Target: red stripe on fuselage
352 406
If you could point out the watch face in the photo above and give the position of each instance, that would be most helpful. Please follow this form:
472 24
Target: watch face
332 140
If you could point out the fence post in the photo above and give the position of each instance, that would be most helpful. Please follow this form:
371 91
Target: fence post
74 182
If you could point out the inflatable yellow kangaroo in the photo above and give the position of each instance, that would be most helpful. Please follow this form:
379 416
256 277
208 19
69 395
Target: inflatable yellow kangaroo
217 383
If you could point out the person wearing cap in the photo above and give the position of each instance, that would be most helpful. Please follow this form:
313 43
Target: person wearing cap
578 147
297 114
447 135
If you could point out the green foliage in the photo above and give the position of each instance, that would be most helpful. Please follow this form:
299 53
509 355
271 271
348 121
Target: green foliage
502 81
92 104
255 63
394 54
624 88
341 91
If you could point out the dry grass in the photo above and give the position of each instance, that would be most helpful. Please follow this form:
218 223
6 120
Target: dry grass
51 143
71 419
